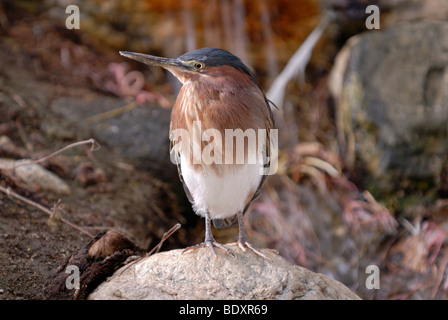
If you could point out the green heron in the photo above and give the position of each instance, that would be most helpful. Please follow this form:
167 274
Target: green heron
220 95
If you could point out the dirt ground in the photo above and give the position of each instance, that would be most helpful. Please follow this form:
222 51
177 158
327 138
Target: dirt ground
119 197
108 191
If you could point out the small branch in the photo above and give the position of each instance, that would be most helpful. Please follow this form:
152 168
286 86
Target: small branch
9 193
112 113
165 236
95 147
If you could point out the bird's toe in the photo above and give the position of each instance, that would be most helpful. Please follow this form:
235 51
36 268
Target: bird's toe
211 244
246 244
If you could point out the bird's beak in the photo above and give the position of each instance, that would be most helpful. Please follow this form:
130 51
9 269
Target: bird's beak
167 63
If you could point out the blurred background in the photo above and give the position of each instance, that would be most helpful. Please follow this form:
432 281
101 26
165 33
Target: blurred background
362 118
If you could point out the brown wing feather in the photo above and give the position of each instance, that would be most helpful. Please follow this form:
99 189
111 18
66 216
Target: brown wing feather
269 123
179 171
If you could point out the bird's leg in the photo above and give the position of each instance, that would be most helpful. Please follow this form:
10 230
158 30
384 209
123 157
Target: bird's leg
242 238
209 240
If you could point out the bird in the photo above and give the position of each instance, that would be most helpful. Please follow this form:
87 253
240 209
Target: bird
219 96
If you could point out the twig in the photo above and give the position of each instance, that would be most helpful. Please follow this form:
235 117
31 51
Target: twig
112 113
95 147
9 192
21 131
165 236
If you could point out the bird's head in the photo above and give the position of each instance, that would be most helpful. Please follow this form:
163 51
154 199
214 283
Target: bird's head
194 64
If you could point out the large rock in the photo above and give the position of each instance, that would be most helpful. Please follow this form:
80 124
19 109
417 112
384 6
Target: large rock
141 134
398 11
199 275
391 94
350 15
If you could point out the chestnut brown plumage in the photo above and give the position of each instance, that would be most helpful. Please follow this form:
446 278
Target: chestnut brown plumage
219 92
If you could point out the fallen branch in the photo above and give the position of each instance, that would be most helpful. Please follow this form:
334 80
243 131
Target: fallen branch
165 236
10 193
113 112
51 213
95 147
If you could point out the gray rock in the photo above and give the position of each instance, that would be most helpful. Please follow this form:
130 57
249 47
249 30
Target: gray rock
199 275
398 11
391 93
33 174
350 15
141 134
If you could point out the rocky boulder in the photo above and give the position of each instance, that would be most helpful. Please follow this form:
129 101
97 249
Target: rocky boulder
199 275
391 93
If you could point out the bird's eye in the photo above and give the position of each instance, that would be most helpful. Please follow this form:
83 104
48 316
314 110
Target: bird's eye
198 65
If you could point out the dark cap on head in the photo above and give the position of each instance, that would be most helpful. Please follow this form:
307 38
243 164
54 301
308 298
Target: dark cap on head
212 57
